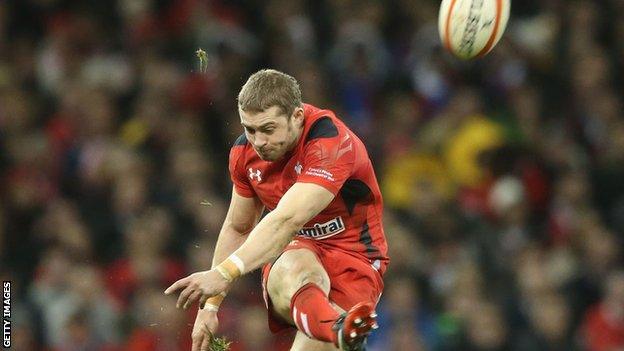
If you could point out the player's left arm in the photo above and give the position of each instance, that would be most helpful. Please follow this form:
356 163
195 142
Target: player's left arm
301 203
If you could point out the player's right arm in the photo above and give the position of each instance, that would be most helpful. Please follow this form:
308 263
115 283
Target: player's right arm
242 216
245 207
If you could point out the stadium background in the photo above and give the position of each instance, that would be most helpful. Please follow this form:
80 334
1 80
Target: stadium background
503 177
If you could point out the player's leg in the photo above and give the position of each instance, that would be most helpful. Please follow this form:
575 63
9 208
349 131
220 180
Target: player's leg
304 343
298 287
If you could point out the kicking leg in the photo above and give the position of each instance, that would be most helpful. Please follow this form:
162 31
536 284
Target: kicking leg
304 343
298 287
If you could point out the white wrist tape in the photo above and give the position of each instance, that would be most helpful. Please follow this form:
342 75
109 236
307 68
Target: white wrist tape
211 308
238 262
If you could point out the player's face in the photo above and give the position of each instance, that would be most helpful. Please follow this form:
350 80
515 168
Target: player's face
271 132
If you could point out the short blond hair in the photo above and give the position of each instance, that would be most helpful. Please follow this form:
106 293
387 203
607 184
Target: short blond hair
267 88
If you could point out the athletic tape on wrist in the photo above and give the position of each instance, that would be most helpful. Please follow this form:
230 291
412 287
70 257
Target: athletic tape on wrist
224 273
238 262
232 268
211 308
215 301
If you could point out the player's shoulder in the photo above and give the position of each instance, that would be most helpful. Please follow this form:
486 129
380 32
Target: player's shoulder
238 151
240 141
323 124
322 128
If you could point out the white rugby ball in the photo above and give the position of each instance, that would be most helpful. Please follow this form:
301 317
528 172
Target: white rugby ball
471 28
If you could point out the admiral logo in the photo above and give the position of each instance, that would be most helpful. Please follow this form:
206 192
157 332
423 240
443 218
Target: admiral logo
324 230
298 168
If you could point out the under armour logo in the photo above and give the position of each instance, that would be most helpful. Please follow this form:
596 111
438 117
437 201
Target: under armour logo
255 174
298 168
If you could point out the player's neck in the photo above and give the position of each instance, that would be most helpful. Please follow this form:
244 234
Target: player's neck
297 138
294 143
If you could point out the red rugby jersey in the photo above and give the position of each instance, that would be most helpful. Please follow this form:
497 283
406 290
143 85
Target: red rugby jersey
331 155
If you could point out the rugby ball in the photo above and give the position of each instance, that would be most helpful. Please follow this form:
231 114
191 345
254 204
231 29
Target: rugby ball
471 28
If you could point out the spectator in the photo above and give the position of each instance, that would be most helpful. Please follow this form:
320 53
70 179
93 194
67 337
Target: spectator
603 328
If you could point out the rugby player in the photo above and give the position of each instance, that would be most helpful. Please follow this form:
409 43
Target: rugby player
321 245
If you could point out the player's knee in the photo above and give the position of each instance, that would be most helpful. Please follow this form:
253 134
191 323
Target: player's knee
290 273
316 277
285 281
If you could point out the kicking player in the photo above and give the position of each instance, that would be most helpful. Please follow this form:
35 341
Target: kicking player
321 245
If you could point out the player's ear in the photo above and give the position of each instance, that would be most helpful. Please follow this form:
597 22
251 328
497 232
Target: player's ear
298 116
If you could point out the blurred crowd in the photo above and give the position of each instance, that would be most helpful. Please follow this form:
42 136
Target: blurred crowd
503 177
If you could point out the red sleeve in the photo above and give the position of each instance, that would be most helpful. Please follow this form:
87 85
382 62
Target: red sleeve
238 174
328 162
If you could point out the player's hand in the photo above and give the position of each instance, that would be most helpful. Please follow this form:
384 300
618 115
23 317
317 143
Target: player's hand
206 324
198 286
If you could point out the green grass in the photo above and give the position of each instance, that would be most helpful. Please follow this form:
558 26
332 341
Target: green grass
219 344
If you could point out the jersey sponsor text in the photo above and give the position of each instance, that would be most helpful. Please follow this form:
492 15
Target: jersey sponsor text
323 230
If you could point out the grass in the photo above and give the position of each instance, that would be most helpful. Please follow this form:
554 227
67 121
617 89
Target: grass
219 344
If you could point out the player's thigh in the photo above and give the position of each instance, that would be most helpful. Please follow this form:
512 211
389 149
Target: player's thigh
292 270
303 343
